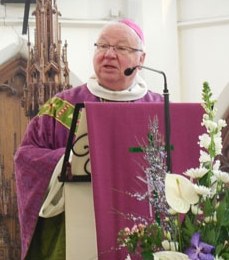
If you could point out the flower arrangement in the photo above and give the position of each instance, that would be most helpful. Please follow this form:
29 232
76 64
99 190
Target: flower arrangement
191 211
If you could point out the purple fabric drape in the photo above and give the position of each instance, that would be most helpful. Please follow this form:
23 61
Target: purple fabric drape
113 128
35 161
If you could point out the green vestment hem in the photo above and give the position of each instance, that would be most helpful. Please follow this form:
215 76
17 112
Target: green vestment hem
48 242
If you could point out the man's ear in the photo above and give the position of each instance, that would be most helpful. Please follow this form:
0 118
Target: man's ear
142 58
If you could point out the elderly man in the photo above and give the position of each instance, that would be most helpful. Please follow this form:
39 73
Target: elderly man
119 46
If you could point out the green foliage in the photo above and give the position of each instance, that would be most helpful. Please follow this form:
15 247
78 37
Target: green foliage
209 216
213 222
141 238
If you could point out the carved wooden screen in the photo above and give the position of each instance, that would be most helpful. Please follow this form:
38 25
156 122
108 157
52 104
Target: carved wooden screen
12 127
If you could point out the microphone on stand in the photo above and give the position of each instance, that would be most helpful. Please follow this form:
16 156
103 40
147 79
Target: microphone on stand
128 72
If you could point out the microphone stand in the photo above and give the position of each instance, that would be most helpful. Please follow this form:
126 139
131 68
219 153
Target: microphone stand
167 118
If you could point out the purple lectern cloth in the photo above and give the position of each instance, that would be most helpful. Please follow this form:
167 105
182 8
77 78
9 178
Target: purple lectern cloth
113 128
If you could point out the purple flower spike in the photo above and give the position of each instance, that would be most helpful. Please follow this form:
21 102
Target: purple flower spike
199 250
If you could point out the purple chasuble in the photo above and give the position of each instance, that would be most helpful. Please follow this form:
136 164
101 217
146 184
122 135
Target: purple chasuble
35 160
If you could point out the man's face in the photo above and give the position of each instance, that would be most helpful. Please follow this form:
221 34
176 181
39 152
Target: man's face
111 62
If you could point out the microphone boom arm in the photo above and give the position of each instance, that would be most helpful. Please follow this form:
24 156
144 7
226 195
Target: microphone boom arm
167 117
160 72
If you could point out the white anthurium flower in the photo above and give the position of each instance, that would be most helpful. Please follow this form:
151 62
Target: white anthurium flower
168 255
172 211
196 210
205 141
202 190
204 157
180 192
196 173
221 176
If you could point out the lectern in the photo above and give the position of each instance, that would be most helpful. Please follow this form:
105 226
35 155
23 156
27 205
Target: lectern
112 129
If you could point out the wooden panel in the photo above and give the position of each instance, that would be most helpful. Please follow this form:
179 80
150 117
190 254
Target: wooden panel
12 127
14 66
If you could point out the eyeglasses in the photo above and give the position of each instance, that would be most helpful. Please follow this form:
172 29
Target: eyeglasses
123 50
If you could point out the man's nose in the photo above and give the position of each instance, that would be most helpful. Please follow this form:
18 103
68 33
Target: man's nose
111 51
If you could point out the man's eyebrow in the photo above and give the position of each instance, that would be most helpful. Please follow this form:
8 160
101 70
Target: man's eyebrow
121 43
